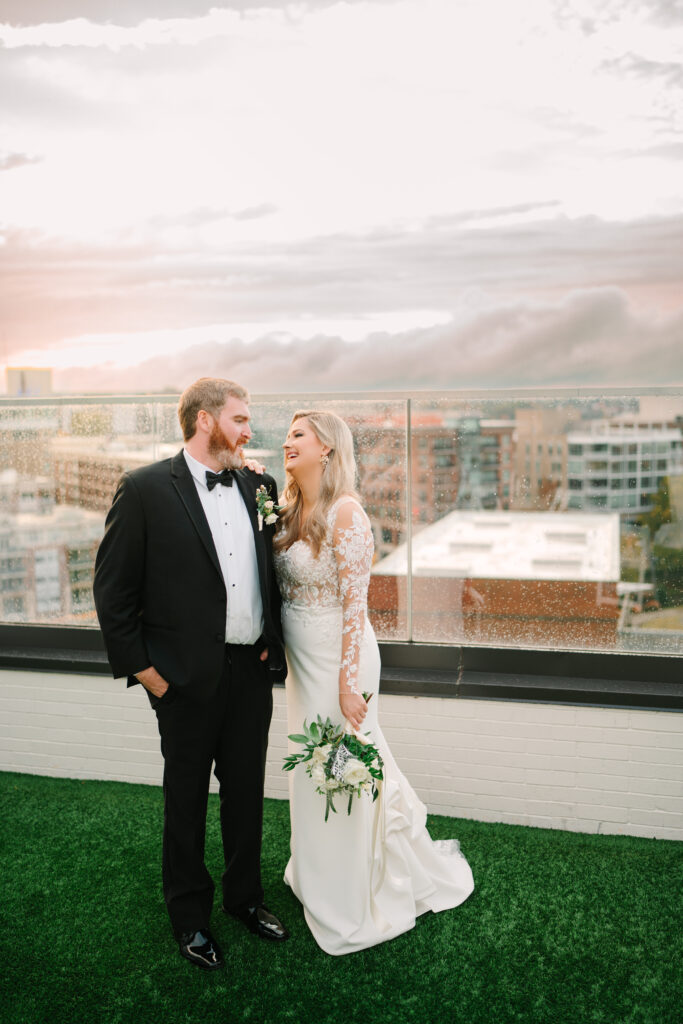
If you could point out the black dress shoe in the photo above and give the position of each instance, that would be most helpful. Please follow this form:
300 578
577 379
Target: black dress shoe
261 922
201 948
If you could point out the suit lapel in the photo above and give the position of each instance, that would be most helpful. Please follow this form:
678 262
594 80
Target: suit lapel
187 491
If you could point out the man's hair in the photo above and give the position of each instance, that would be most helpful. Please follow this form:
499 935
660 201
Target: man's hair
210 394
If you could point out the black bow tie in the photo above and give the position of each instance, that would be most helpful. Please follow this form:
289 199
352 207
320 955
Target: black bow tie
225 477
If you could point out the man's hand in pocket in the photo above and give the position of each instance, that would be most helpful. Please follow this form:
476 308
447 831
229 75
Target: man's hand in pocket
152 681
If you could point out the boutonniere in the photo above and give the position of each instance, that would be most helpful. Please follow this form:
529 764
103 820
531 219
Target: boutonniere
267 509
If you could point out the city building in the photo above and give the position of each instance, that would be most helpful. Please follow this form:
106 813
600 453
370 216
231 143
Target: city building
456 462
28 381
512 578
381 455
539 457
47 554
87 469
619 466
499 455
654 411
478 460
25 432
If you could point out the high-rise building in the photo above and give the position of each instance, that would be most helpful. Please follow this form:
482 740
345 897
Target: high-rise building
28 381
25 435
499 456
539 457
381 455
47 554
655 412
619 466
380 445
456 461
479 459
87 469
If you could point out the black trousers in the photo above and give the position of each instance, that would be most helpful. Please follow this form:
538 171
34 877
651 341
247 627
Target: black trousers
231 731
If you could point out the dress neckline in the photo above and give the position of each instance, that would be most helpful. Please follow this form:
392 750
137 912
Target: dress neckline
342 497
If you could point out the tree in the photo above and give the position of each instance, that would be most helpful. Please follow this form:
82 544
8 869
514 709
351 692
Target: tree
660 512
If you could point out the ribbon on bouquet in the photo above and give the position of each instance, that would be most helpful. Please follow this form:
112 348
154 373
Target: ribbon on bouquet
350 731
343 753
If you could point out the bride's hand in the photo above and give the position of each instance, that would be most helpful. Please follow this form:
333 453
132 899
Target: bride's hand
353 707
254 466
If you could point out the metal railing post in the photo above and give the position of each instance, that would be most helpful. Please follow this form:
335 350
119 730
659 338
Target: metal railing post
409 520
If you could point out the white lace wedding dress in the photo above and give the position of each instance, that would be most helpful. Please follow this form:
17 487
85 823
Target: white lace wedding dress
362 878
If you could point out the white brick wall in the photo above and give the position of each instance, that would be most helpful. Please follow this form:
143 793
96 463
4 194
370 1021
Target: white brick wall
586 769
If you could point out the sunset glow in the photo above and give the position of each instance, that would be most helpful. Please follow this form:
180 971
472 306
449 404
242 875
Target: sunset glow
331 169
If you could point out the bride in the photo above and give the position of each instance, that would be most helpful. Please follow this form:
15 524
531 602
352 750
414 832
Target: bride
362 878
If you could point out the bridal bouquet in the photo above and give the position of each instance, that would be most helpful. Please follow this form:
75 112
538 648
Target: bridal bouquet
337 761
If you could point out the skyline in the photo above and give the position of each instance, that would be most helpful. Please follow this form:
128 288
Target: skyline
492 197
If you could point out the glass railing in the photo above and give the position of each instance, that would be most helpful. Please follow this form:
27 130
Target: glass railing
507 519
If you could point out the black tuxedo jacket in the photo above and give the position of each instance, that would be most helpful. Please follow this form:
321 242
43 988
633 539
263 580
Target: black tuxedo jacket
159 590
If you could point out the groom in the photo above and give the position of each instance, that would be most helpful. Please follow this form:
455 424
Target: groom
189 607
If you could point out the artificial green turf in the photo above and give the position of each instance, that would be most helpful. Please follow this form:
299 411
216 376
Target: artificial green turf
562 927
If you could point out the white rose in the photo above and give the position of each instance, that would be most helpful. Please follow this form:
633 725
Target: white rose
331 784
355 772
318 774
269 505
318 757
269 520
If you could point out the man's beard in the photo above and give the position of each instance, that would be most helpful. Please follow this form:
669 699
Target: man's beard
229 456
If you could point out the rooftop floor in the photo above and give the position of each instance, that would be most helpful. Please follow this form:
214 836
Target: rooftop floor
562 927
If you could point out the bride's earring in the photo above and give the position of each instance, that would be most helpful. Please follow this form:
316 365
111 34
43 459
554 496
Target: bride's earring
324 459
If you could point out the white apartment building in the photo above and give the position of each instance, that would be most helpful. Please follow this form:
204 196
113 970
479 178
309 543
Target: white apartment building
619 466
47 554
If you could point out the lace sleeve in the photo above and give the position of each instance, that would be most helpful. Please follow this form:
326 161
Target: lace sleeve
353 548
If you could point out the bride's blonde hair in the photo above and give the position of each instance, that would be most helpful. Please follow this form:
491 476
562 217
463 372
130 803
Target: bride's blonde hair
338 478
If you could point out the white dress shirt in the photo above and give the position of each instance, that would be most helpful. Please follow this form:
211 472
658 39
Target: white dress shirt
234 539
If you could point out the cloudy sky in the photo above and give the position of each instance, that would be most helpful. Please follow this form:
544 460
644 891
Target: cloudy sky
342 195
